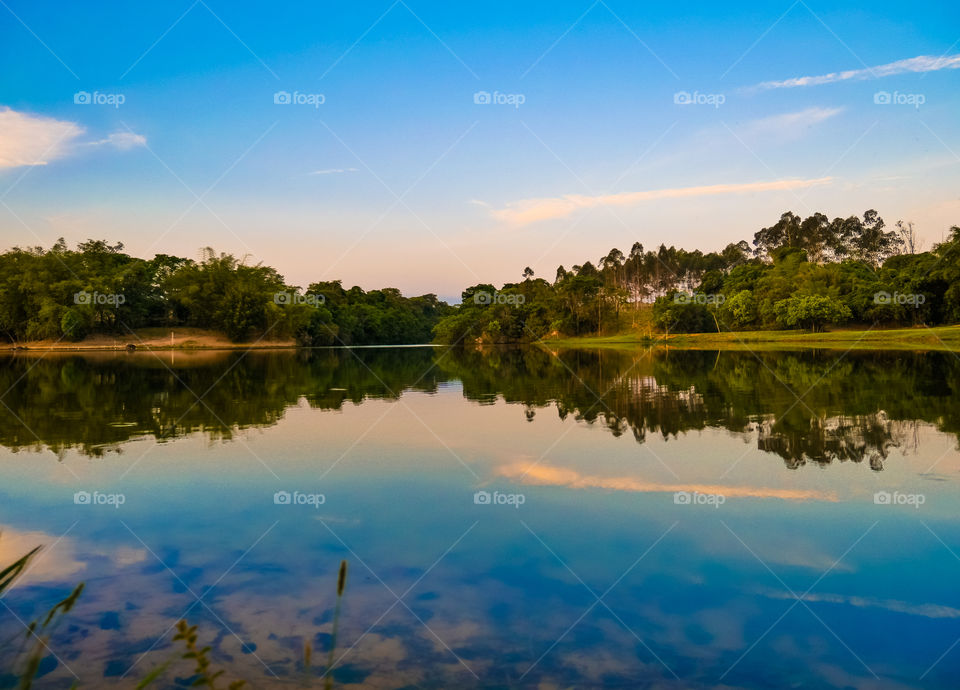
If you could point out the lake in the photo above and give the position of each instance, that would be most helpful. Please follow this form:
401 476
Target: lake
510 517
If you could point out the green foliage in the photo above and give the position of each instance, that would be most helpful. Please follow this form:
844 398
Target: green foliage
679 313
849 264
62 294
855 262
740 310
821 239
74 324
811 311
377 317
518 312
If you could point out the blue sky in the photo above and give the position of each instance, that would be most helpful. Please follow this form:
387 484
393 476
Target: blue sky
400 177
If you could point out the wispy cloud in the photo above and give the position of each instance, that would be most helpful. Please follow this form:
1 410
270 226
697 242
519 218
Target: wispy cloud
120 140
790 124
551 475
32 140
332 171
921 63
926 610
528 211
27 139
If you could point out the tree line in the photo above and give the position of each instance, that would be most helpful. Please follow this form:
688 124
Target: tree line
797 273
64 294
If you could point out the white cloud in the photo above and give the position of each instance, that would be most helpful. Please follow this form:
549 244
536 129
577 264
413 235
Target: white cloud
120 140
528 211
790 124
332 171
921 63
33 140
50 565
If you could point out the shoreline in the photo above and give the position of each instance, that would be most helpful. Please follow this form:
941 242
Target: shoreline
203 348
940 338
32 347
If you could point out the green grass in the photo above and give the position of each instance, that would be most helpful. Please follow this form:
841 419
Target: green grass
944 338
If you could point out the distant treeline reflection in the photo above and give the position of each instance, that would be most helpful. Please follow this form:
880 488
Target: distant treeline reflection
805 407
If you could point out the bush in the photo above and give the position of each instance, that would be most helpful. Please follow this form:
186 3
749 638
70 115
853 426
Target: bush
74 324
682 316
812 311
740 310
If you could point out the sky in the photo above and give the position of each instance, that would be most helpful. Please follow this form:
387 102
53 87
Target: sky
430 146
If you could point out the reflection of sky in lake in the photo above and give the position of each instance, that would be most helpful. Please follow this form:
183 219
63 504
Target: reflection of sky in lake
598 579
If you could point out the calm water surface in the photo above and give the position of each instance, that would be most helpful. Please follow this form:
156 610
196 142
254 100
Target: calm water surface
511 518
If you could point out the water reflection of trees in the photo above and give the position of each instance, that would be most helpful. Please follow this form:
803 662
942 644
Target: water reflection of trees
810 407
97 402
807 407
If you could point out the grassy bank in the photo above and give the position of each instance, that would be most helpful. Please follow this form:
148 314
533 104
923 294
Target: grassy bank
945 338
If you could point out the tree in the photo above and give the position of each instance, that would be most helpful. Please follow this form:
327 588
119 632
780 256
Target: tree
784 233
871 244
740 310
680 313
75 324
812 311
908 238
